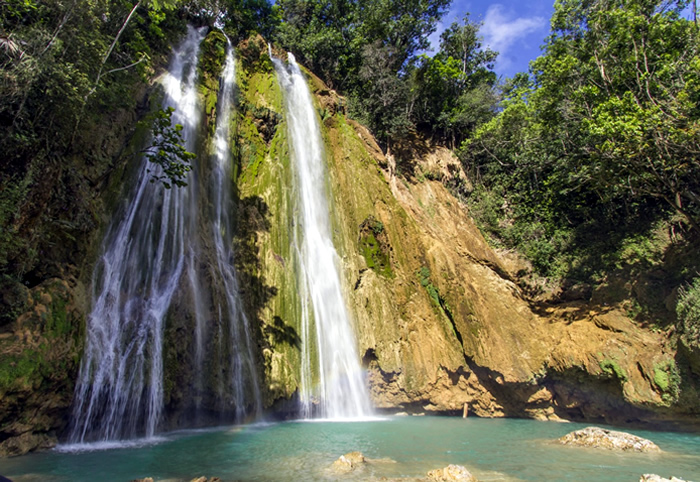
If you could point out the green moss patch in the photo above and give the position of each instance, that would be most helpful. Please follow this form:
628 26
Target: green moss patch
374 246
211 64
612 369
440 304
667 380
22 370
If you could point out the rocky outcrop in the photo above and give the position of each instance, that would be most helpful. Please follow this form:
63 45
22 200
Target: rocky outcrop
439 317
38 365
657 478
349 462
451 473
600 438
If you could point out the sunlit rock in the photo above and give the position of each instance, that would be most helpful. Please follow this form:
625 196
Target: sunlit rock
348 463
658 478
451 473
596 437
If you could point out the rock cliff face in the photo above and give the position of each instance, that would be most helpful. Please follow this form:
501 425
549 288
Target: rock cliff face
439 318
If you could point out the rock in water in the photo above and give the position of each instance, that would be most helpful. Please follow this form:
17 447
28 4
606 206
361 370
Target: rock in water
657 478
451 473
348 463
601 438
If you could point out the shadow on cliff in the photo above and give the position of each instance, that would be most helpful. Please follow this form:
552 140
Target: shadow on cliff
282 333
253 219
407 152
576 396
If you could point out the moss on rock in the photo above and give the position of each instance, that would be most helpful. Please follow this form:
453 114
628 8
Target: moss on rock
38 366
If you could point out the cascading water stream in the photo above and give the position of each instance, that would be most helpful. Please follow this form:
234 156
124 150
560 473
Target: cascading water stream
243 372
340 390
119 393
165 251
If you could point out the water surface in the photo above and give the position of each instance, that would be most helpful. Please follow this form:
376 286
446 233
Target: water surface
500 449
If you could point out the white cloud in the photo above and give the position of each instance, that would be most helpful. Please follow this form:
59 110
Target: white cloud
501 31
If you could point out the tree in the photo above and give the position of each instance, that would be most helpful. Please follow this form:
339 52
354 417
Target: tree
383 100
167 150
605 134
342 42
453 92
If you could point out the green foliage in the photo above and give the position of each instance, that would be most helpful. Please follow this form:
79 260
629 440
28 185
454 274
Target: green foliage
70 74
13 192
598 144
57 325
239 18
253 149
212 55
453 92
368 50
424 276
64 62
688 312
381 97
20 370
167 150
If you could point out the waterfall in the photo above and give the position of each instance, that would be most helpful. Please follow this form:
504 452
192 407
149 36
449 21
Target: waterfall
243 372
338 388
156 250
119 393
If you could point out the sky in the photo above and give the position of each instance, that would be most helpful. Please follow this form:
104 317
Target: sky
514 28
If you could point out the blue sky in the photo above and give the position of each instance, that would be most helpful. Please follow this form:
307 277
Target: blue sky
514 28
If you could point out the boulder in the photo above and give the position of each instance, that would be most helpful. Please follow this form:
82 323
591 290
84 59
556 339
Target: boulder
658 478
596 437
451 473
348 463
26 442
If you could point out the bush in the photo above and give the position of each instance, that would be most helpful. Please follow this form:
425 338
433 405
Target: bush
688 311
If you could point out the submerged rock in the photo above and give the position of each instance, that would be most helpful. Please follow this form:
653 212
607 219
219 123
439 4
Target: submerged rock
596 437
451 473
348 463
658 478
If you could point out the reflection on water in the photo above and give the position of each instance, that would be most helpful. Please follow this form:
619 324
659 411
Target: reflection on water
397 446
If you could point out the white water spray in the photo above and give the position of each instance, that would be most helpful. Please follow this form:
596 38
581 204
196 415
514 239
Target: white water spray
119 393
339 390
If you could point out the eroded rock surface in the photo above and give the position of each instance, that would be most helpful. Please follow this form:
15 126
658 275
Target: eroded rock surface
658 478
600 438
38 365
451 473
349 462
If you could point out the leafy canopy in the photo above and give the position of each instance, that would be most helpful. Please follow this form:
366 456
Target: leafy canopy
603 136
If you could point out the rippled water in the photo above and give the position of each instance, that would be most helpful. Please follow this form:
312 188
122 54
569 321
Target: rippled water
504 449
